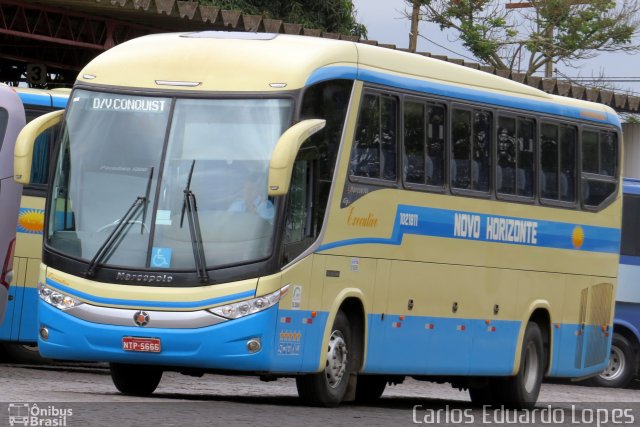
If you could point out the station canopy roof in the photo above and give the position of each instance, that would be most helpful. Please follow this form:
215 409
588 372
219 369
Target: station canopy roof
61 36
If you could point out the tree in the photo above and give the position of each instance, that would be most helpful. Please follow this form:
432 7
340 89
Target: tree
528 36
334 16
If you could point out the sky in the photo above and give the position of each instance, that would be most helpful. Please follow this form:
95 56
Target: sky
386 23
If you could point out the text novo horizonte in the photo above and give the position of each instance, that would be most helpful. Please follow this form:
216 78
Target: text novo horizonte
497 229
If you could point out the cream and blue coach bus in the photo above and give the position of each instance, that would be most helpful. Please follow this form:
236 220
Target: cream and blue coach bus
342 213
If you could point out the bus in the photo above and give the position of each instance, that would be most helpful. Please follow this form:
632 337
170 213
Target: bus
11 122
625 347
341 213
19 331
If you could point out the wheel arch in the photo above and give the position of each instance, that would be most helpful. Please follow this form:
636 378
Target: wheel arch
538 312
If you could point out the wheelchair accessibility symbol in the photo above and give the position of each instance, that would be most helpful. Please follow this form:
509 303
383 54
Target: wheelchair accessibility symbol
161 257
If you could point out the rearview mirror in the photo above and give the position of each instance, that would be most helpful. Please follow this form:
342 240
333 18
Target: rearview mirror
23 152
284 154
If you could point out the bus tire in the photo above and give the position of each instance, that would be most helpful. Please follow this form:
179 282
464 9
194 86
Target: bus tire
521 391
328 388
369 388
135 380
622 365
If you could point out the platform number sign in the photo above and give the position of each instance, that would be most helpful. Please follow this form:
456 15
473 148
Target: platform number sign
36 73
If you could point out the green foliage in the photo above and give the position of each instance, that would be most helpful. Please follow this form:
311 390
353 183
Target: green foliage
334 16
547 31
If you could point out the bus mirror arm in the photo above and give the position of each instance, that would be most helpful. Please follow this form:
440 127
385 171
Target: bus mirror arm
285 152
23 152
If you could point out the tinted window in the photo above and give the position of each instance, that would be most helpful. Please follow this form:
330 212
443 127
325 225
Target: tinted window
414 142
600 162
461 149
515 156
329 101
424 141
374 147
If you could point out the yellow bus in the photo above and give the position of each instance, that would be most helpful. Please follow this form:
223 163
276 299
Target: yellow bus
344 214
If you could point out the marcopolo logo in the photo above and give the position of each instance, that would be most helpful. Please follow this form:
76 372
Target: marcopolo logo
27 414
147 278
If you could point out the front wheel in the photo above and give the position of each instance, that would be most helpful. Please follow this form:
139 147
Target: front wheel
521 391
622 365
135 380
327 388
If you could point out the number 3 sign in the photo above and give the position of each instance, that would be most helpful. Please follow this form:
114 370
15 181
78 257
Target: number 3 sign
36 73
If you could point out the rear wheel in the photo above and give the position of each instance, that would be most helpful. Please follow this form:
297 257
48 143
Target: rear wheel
369 388
622 365
521 391
136 380
327 388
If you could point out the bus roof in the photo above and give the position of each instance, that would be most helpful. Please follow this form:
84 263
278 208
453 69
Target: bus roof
259 62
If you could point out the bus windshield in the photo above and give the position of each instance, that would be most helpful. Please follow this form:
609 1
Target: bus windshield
116 147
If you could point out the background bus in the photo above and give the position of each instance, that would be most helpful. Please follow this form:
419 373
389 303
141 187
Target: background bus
11 122
363 214
625 347
18 333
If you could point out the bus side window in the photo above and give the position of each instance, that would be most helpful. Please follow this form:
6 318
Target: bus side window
568 161
365 156
558 162
549 161
42 150
415 161
599 166
375 144
461 149
300 216
436 144
506 148
481 159
525 176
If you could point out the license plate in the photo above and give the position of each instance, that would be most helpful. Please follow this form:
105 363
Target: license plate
149 345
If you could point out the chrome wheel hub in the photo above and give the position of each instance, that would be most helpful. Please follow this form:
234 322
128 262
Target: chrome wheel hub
336 359
616 366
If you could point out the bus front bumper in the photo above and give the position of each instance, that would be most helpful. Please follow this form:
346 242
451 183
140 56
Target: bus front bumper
223 346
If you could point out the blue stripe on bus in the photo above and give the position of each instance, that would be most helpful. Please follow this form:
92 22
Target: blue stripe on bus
451 91
40 99
148 304
435 222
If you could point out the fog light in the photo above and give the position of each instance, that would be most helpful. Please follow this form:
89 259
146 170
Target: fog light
44 333
254 345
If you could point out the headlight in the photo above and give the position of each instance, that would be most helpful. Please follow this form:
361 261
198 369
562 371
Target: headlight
250 306
57 299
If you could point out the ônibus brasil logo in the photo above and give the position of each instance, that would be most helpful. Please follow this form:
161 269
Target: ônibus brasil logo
27 414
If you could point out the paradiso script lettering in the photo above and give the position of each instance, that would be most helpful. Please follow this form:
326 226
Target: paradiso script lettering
498 229
128 104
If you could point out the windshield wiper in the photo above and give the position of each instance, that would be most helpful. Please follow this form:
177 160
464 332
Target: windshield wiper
190 206
122 224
